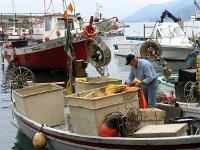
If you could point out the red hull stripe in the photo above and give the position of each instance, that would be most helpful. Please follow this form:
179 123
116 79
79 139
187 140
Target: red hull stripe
113 146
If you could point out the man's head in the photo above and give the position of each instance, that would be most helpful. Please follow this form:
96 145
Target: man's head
131 60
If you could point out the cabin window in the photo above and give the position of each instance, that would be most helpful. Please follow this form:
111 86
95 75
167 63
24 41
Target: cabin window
166 32
71 24
179 32
47 24
61 23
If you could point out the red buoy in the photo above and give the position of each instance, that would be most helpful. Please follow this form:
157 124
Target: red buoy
46 39
105 131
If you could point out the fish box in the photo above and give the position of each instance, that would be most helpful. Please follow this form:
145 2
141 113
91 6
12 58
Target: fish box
152 114
89 108
164 130
43 104
95 82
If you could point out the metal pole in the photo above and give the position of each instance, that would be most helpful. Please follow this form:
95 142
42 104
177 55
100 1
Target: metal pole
44 7
144 31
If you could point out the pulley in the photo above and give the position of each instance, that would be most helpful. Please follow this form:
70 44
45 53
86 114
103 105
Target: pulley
20 77
150 49
99 55
192 92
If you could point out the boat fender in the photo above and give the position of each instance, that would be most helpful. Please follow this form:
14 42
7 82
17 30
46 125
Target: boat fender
58 33
12 56
46 39
39 140
90 34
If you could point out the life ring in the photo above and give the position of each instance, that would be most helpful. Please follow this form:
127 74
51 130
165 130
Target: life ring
90 34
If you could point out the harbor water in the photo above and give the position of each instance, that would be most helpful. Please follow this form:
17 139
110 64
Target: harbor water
11 138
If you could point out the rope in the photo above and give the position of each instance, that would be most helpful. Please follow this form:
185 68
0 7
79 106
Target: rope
126 123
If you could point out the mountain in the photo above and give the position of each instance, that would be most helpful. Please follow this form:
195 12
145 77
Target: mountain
183 8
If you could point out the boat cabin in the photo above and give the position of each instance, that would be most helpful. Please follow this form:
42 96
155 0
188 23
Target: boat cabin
17 31
170 33
55 26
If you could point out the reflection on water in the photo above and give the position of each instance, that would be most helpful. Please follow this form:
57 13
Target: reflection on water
116 69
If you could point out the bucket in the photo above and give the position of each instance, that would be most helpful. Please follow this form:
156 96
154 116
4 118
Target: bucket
193 124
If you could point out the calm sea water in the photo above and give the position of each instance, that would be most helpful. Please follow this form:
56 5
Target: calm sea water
11 138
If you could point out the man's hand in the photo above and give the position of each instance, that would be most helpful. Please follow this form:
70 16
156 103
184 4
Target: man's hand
137 84
131 84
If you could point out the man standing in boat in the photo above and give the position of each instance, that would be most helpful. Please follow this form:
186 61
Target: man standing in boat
143 70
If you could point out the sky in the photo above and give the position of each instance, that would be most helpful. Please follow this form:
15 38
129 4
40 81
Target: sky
111 8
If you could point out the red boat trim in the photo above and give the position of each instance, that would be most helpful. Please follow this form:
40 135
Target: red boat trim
114 146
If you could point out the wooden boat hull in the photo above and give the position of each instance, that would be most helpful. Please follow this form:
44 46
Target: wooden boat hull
62 140
46 55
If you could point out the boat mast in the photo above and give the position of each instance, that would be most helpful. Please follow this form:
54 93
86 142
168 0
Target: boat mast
44 7
14 13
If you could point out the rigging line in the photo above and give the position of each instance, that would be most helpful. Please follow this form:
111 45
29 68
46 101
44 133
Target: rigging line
53 7
74 7
64 5
49 5
13 7
195 2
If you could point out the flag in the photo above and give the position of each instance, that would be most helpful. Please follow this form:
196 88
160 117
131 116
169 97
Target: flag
70 7
69 88
67 44
65 14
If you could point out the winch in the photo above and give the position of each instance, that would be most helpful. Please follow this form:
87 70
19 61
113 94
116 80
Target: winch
151 50
99 55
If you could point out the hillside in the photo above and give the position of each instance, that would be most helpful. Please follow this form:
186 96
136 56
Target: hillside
183 8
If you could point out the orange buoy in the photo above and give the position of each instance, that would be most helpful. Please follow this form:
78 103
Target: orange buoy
46 39
105 131
39 140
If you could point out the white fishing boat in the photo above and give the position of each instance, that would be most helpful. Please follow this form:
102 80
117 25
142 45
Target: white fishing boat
59 135
173 41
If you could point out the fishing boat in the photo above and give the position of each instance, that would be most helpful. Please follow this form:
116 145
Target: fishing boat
61 137
49 54
173 41
137 37
172 79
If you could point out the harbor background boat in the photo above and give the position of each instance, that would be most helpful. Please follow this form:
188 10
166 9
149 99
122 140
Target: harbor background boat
12 139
